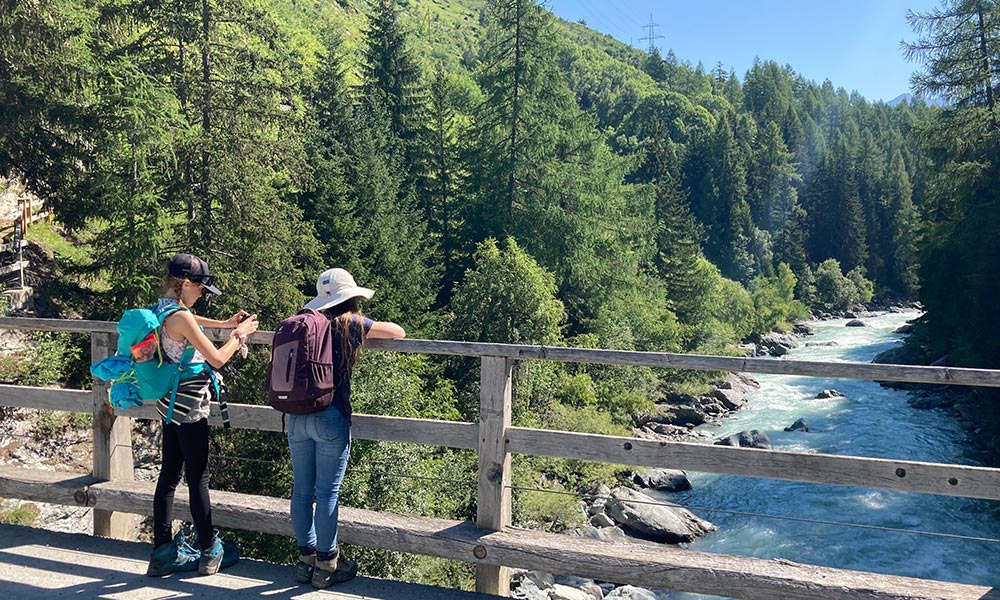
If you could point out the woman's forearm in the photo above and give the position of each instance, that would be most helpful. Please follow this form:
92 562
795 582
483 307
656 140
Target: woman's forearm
210 323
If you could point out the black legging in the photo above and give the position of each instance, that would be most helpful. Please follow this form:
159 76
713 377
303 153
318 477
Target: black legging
185 447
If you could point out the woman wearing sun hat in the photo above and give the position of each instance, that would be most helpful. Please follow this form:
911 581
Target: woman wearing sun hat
320 442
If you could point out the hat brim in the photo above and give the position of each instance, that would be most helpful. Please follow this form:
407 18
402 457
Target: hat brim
212 289
324 302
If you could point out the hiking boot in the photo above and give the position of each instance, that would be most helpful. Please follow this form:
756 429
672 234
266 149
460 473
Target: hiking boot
211 559
304 570
176 556
336 570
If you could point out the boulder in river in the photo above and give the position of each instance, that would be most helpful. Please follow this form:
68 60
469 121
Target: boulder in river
663 480
856 323
754 438
825 394
798 425
642 515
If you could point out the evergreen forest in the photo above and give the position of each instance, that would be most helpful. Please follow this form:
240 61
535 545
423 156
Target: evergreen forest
496 174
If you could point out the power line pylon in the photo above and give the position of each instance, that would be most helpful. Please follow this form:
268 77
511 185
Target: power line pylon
652 37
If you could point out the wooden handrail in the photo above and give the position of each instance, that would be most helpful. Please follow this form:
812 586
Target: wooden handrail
664 360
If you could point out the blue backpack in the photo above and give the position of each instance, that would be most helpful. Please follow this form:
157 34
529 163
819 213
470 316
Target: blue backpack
138 369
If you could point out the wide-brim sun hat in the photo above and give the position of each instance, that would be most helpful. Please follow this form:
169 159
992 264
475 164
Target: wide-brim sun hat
335 286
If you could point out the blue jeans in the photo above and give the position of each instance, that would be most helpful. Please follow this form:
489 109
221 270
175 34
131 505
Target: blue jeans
320 444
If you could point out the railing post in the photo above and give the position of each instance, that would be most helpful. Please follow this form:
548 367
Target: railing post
112 446
494 494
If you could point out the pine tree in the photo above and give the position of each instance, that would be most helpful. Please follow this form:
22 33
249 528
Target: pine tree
366 222
962 55
677 232
46 97
543 172
392 81
901 277
723 208
443 178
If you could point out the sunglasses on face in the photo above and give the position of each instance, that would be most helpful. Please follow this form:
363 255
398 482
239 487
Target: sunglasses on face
202 279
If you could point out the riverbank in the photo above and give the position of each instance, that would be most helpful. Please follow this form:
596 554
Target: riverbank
916 535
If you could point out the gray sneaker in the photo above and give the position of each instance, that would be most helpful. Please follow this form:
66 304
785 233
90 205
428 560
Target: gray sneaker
211 559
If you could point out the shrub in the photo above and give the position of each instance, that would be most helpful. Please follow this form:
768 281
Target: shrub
22 515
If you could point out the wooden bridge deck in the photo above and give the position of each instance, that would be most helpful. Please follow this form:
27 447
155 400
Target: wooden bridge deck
37 564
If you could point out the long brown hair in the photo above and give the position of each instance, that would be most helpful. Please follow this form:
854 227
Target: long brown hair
344 317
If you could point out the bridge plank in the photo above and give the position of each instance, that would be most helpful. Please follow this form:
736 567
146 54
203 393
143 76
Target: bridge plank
899 475
653 566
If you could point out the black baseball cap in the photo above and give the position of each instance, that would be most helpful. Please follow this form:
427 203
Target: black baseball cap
189 266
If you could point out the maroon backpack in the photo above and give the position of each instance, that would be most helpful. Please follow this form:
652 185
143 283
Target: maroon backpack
300 376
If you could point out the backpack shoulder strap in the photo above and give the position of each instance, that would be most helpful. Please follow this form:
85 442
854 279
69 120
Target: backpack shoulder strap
166 311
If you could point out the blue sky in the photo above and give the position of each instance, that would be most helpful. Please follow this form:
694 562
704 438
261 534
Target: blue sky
853 43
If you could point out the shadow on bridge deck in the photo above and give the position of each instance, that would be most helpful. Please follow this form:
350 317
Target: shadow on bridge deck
36 564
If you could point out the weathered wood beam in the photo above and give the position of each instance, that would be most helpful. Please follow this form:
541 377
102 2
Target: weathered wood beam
665 360
46 398
899 475
651 566
493 494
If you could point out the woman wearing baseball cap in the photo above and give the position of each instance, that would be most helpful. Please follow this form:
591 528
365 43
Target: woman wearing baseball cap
185 416
320 442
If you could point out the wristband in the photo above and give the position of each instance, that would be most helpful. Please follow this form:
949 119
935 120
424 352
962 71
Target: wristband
239 335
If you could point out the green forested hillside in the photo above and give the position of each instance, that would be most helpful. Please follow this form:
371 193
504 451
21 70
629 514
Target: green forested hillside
495 174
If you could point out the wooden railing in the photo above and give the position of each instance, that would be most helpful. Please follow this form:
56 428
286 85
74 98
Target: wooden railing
492 544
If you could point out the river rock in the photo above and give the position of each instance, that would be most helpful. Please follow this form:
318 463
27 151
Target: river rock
598 496
606 534
777 344
903 354
670 430
580 583
601 520
754 438
798 425
729 398
664 480
565 592
630 592
527 591
711 405
905 328
668 524
676 409
856 323
661 413
741 382
802 329
538 579
825 394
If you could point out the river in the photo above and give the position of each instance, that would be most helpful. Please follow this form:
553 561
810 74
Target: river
869 421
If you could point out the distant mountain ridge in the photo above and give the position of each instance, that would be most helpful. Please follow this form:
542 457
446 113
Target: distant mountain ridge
910 98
